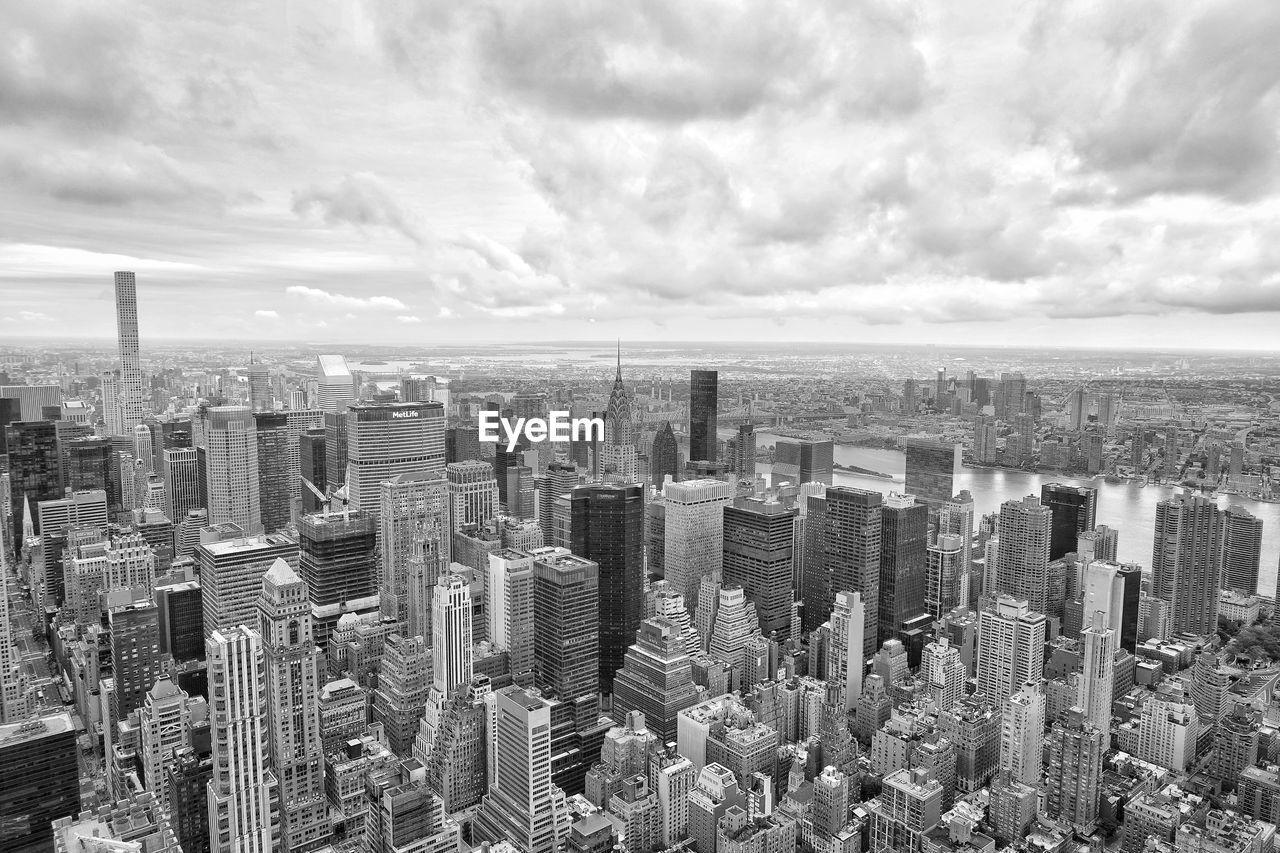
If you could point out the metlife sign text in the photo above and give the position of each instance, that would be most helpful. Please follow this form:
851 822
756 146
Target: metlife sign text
407 413
559 426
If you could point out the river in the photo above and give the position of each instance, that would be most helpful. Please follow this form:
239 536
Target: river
1127 507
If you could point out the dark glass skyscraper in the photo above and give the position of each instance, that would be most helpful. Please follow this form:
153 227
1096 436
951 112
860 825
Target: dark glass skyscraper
567 599
39 781
702 415
904 537
802 461
274 502
665 458
312 463
851 555
931 468
338 560
759 546
1241 550
1073 511
33 469
89 467
607 527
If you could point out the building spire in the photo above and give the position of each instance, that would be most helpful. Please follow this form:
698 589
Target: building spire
619 359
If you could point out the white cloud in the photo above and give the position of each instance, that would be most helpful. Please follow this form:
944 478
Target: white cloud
407 318
338 300
266 314
445 312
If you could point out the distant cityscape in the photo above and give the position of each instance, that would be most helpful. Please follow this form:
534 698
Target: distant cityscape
796 598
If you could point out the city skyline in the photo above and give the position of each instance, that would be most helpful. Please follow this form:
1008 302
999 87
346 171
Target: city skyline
359 172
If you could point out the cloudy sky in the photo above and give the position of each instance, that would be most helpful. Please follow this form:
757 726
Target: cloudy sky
414 171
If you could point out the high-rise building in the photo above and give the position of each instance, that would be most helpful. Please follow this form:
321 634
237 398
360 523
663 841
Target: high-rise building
560 479
451 644
607 528
1022 557
944 673
1076 747
312 468
89 466
1098 675
39 780
1186 562
404 682
335 386
186 779
1241 550
904 535
231 463
34 471
273 440
292 681
694 532
984 439
181 482
1100 543
522 805
945 575
338 561
703 410
413 521
388 439
1072 511
473 493
846 658
566 608
260 397
759 546
231 573
335 451
131 395
801 461
851 551
1022 734
135 655
457 762
909 806
1011 639
1011 399
740 453
244 805
656 678
664 459
932 467
32 401
1168 731
509 609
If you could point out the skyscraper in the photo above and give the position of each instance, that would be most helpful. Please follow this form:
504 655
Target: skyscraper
272 434
451 635
619 450
135 655
694 540
741 453
509 608
292 682
851 550
759 546
39 780
522 806
181 482
34 472
413 520
231 462
560 479
664 459
1241 550
130 393
1073 510
1075 770
904 535
656 678
607 528
1022 734
801 461
473 492
338 561
1098 671
312 467
703 409
932 466
846 658
1011 640
1022 558
244 805
566 605
388 439
259 386
335 387
1186 562
231 576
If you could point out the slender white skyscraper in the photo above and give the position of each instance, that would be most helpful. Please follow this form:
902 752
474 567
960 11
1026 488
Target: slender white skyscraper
242 794
1098 677
293 706
1011 639
335 386
231 461
143 451
845 661
130 390
1022 733
451 634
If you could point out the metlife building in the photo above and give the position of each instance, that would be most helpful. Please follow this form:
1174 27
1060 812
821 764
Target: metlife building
386 439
